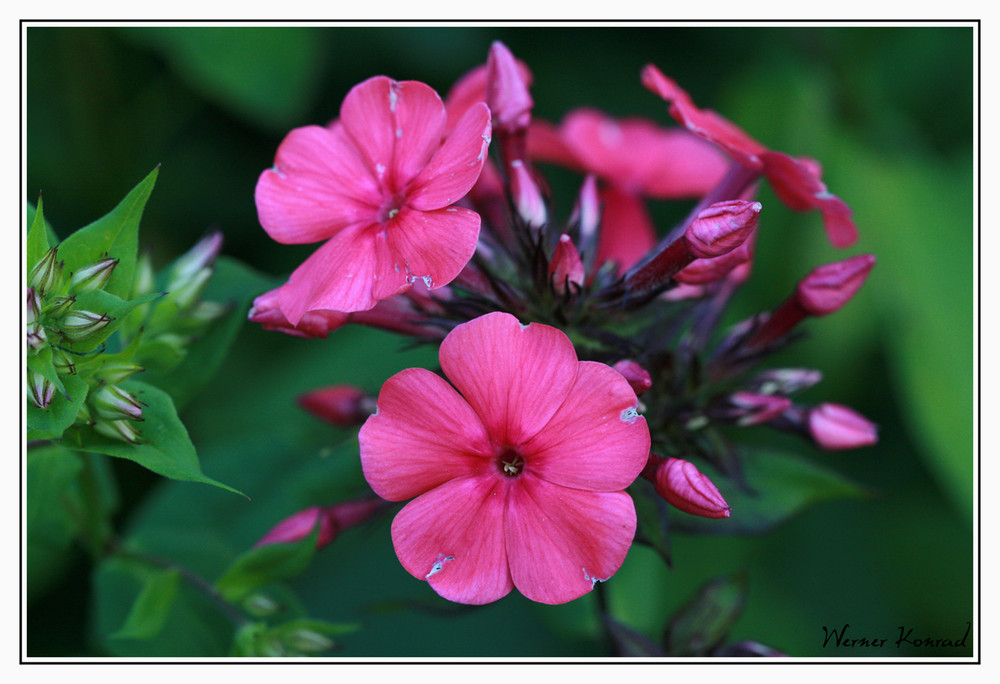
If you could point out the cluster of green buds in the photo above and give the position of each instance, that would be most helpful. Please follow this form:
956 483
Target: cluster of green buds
169 324
75 328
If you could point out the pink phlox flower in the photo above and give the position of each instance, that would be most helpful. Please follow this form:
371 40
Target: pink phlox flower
518 470
470 90
379 185
796 182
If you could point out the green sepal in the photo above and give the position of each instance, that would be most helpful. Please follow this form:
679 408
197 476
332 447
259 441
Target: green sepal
166 448
704 621
116 235
152 607
266 565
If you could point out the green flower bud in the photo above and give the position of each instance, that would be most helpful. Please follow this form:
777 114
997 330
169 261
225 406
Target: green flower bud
36 336
260 605
197 259
46 276
114 403
113 372
308 641
79 325
144 279
58 307
121 430
40 390
63 362
92 277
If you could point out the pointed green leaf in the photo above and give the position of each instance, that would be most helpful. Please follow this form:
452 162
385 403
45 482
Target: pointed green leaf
54 419
266 565
780 486
115 234
38 239
50 472
703 623
151 608
166 448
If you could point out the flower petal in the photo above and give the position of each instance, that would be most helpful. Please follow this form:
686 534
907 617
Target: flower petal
561 541
515 377
434 245
422 435
317 187
704 122
453 170
351 272
453 537
596 440
627 233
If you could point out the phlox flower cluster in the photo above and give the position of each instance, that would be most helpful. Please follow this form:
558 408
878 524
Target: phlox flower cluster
579 355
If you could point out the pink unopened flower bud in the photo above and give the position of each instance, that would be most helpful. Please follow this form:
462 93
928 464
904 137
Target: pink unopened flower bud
837 427
566 268
507 90
754 408
687 489
33 307
331 519
829 287
527 196
40 390
339 404
637 376
704 271
92 277
722 227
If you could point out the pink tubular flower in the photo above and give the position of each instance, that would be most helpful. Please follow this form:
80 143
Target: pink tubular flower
829 287
338 404
379 186
795 181
566 268
518 474
638 377
837 427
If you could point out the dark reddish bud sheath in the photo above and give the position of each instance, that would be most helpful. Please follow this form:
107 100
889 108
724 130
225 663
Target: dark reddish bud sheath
340 405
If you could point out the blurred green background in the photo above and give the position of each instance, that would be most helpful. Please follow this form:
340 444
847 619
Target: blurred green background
888 112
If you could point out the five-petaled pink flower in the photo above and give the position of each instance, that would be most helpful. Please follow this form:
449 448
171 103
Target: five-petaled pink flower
518 475
379 185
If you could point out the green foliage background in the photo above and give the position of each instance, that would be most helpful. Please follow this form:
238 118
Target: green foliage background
888 112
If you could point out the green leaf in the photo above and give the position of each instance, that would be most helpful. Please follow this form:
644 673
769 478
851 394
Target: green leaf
781 486
38 239
233 284
652 514
115 234
267 75
151 608
50 473
703 623
193 626
166 448
266 565
631 642
60 414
